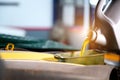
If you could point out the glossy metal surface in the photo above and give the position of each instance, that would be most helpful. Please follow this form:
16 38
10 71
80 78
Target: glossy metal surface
44 70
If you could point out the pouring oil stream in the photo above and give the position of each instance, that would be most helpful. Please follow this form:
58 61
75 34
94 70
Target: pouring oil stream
85 43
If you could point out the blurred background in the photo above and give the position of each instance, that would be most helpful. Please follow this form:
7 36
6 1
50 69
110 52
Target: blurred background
66 21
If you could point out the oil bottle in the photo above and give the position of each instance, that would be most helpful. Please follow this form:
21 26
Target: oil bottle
106 30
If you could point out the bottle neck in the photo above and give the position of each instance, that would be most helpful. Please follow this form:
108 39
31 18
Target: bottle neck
97 37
